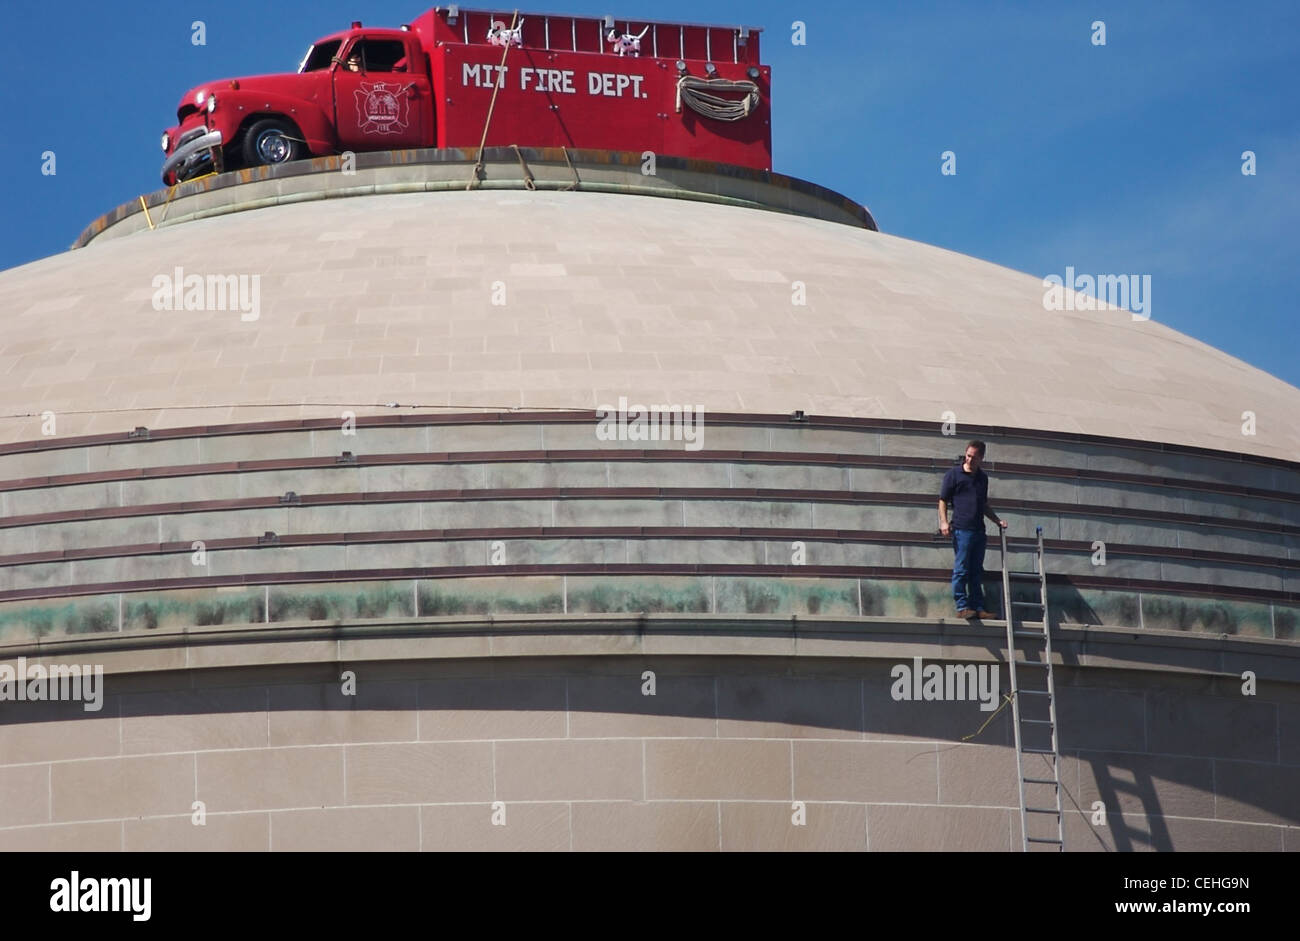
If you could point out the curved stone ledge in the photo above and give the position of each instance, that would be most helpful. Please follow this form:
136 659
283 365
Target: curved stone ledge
540 543
330 480
140 610
1231 480
451 169
469 436
228 561
592 633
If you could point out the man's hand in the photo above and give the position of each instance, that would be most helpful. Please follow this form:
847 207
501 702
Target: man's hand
1002 523
945 529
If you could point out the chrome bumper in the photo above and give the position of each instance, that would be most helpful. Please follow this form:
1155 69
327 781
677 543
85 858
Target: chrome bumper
190 156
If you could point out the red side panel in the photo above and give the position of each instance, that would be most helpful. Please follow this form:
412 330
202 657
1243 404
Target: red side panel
559 98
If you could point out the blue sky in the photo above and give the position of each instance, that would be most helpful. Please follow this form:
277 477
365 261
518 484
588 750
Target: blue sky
1115 159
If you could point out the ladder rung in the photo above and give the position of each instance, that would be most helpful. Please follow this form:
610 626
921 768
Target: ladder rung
1037 635
1041 810
1038 721
1026 604
1032 692
1034 839
1041 781
1022 575
1038 751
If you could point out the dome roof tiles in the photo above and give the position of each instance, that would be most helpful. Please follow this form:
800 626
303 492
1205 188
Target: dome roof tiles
373 299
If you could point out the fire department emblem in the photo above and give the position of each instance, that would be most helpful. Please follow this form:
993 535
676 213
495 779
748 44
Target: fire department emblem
381 108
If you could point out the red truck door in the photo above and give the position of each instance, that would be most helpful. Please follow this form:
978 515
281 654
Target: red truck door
382 95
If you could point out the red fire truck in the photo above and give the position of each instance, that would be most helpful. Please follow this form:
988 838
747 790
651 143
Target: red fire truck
469 78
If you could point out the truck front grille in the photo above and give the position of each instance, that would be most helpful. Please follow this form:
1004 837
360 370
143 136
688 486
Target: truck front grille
191 134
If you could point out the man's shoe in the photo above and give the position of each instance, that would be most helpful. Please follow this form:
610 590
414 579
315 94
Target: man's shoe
986 614
966 613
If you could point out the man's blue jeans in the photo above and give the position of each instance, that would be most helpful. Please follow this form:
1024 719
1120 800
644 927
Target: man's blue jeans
968 568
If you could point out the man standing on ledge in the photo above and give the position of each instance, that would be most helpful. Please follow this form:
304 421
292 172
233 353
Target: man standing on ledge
966 488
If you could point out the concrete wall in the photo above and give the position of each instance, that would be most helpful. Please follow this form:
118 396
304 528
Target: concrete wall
580 759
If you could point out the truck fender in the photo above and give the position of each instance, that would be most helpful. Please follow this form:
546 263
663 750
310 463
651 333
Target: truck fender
242 110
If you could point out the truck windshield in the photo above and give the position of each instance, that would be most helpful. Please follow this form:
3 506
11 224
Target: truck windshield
319 56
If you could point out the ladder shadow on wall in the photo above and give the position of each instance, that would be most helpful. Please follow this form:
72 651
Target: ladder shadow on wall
1111 789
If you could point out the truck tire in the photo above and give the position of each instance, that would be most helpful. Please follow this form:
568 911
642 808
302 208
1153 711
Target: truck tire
271 141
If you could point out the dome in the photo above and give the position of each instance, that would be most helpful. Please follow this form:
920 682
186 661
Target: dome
567 300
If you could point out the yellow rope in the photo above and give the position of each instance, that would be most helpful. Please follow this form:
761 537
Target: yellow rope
576 181
171 191
1005 699
523 165
501 78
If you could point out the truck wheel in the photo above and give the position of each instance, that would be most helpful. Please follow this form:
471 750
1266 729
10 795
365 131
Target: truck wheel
271 141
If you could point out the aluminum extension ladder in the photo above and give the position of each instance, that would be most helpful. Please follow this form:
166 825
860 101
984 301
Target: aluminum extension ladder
1036 734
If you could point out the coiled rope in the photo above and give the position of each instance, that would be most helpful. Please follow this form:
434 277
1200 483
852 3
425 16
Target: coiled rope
696 92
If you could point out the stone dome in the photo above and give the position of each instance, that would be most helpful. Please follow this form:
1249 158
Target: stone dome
503 299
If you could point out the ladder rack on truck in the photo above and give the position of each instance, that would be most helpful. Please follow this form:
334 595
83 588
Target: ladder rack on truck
737 45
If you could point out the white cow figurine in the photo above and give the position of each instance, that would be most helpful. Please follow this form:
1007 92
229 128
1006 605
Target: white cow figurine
498 35
627 44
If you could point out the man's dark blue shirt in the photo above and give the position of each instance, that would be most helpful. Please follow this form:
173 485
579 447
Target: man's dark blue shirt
968 495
